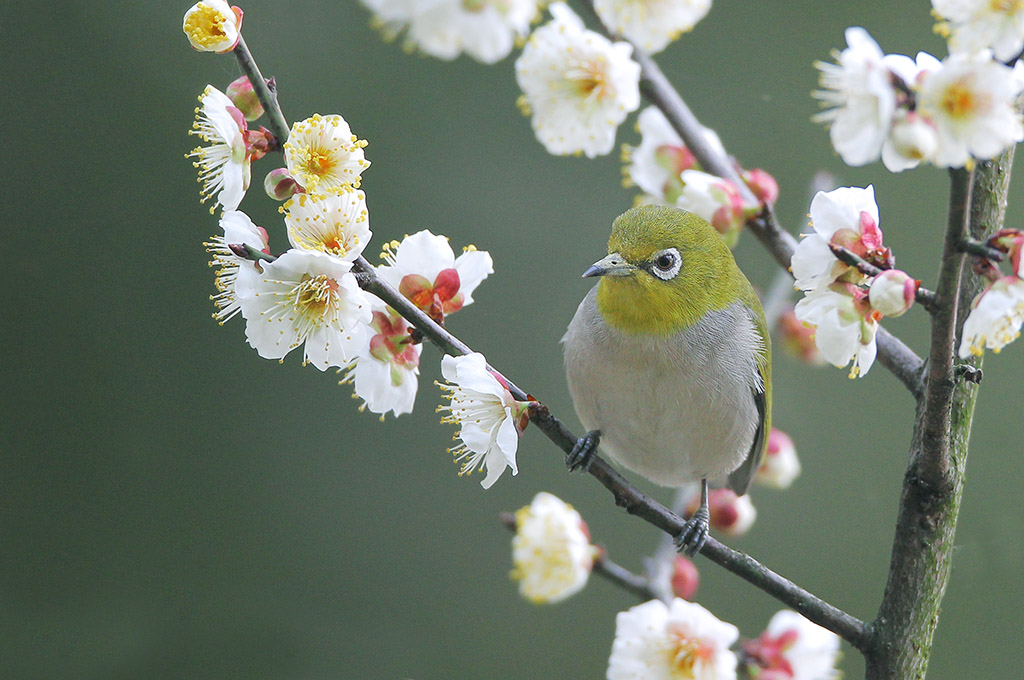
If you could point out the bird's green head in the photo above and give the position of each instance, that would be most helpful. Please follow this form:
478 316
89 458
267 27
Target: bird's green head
665 269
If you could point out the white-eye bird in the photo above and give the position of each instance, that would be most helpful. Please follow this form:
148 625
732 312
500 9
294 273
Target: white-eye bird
668 359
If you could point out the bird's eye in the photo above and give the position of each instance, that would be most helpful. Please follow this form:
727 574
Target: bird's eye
666 264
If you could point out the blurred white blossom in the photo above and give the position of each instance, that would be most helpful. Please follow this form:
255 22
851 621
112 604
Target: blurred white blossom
792 647
973 26
577 85
651 24
551 550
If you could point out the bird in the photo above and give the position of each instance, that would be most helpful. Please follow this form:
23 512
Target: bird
668 360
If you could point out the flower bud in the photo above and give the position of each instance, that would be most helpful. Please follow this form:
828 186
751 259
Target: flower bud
798 338
764 186
780 465
914 138
212 26
892 292
279 185
243 96
685 578
730 514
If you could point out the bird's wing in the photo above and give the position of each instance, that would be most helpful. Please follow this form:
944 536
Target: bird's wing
740 478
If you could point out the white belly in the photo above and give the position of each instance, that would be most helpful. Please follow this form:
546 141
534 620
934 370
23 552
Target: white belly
675 409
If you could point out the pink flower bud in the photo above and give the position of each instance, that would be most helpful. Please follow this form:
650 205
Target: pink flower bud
279 185
243 96
780 465
892 292
730 514
685 578
764 186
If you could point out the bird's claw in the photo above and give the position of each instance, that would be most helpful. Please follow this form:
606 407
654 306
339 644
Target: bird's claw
691 539
583 451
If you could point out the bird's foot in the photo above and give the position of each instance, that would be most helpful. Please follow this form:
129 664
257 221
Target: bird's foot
691 539
583 451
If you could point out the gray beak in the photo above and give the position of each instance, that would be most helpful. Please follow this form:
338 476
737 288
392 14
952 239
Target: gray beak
611 265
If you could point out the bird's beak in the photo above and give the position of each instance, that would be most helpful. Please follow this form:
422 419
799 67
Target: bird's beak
611 265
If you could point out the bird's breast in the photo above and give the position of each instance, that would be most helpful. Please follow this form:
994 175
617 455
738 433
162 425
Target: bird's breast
674 408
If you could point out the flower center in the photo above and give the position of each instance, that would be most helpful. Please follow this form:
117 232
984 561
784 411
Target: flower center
205 25
1006 6
685 652
320 164
591 80
959 101
314 295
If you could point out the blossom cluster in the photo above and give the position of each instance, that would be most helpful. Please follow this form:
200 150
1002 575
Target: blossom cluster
843 304
668 173
308 296
997 312
922 110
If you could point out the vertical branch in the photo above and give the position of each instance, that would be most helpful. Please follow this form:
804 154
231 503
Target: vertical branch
901 636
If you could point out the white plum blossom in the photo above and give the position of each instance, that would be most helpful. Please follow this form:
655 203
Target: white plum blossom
304 298
793 647
973 26
212 26
386 370
484 29
970 101
224 163
651 24
845 326
424 268
335 223
860 99
911 140
657 163
780 465
551 552
847 216
716 200
658 641
238 229
488 415
577 85
323 155
995 319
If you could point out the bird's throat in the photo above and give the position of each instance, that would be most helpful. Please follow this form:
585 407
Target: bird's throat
634 306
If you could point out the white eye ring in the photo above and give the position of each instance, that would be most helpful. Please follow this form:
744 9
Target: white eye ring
665 264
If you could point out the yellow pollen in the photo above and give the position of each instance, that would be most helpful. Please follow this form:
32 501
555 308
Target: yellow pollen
960 101
1006 6
205 25
684 654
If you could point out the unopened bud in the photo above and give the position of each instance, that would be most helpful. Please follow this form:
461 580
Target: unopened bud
279 185
212 26
243 96
764 186
780 465
730 514
685 578
913 137
892 292
798 338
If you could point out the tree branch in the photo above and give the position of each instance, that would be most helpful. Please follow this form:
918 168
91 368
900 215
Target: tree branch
265 91
902 633
924 297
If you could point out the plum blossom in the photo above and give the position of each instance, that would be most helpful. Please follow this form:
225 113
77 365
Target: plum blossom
323 155
716 200
224 163
780 465
651 24
845 325
212 26
385 372
973 26
658 641
997 313
489 416
238 229
792 648
335 223
551 550
304 298
848 217
424 268
577 85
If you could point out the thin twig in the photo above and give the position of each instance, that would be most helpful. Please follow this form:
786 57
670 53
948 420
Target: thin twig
266 95
924 297
606 568
973 246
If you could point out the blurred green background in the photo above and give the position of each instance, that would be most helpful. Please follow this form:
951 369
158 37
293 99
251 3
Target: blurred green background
172 506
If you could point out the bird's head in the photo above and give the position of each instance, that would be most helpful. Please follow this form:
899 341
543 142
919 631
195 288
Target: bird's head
664 270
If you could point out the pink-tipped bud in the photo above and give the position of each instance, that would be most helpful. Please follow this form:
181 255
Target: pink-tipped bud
685 578
730 514
892 292
279 185
780 465
798 338
764 186
243 96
